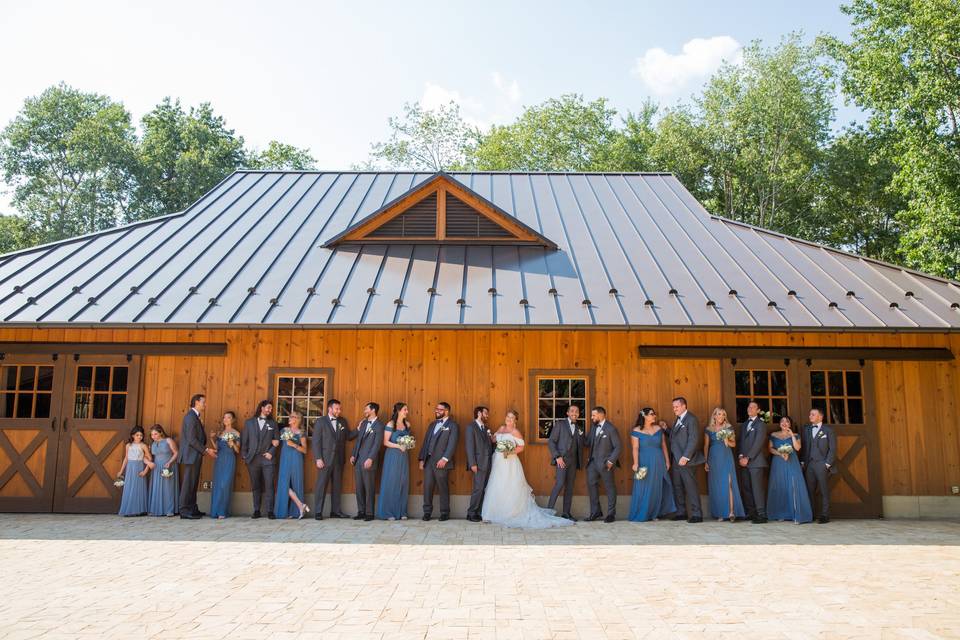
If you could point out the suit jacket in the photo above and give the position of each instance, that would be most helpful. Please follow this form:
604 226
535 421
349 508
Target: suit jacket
823 448
479 447
563 444
686 440
604 443
441 445
752 443
256 442
330 440
369 441
193 443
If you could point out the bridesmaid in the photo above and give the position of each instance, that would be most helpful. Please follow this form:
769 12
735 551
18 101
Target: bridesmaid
724 492
653 496
164 490
134 469
395 480
227 443
787 497
290 478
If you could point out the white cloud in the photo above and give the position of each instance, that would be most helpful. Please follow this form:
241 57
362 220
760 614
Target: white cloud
668 73
501 104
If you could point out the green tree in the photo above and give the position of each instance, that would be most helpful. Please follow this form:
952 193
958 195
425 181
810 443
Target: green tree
15 233
902 64
181 155
280 156
69 156
560 134
426 140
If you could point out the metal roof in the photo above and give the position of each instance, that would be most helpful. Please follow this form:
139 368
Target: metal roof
634 250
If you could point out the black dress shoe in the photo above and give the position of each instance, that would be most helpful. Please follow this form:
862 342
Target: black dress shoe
426 517
568 517
256 514
271 516
444 517
318 517
678 518
339 515
473 518
367 518
610 518
593 516
823 520
694 519
359 516
189 516
199 514
759 520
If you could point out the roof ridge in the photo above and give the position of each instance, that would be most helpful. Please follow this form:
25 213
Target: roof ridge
464 172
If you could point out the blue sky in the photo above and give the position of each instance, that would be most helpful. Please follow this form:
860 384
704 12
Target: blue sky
328 75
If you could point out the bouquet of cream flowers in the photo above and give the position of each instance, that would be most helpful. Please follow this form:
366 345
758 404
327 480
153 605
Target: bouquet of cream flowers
166 473
407 442
286 434
118 482
641 473
766 416
726 435
229 436
506 447
785 449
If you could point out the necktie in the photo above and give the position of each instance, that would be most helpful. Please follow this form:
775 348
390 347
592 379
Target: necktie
573 429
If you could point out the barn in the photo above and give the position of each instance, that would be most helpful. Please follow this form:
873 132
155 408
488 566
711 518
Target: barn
514 290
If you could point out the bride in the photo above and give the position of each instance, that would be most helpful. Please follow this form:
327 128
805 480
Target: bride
509 499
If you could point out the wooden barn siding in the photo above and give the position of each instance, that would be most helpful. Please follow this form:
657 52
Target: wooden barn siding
916 402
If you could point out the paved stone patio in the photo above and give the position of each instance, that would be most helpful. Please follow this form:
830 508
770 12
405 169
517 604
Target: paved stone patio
111 577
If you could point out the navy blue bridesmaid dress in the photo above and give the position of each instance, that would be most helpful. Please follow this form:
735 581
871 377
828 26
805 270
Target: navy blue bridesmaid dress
722 480
290 477
223 474
787 497
164 492
652 497
395 480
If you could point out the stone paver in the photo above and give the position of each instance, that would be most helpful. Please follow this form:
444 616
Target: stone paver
110 577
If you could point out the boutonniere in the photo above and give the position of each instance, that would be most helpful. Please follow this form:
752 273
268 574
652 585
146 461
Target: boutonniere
444 428
821 435
604 435
580 432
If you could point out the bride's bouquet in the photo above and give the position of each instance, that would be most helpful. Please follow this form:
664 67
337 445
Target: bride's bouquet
506 447
407 442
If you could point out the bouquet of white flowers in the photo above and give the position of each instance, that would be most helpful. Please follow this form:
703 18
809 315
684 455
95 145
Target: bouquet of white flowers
726 435
286 434
641 473
118 482
166 473
506 447
785 449
766 416
229 436
407 442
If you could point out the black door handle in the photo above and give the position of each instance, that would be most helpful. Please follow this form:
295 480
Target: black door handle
53 425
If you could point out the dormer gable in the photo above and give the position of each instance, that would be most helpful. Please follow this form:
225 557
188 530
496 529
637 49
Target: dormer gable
440 210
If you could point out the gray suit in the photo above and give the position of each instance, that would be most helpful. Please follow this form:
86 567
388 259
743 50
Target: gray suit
686 441
441 444
329 444
815 454
567 445
369 437
604 444
479 452
752 444
192 447
254 442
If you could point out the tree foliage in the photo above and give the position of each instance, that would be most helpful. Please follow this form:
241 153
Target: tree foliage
426 140
281 156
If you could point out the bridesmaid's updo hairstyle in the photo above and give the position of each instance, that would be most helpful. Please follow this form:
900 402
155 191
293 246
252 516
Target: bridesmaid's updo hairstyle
159 430
137 429
646 411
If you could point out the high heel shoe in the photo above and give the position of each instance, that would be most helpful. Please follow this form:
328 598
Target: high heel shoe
304 509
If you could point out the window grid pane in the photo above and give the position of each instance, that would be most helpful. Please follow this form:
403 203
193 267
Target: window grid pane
305 393
839 394
100 392
767 386
554 397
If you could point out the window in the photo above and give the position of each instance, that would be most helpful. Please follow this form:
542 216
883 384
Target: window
839 394
554 392
101 392
25 391
305 391
767 386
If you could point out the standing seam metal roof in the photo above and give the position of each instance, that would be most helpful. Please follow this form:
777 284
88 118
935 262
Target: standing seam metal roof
634 250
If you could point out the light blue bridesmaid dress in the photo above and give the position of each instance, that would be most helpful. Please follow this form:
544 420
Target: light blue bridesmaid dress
135 494
290 477
722 479
223 473
787 492
652 497
394 481
164 492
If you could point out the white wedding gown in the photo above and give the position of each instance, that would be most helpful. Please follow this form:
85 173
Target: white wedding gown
509 499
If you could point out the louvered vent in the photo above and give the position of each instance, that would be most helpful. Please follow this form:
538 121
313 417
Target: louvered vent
463 221
419 221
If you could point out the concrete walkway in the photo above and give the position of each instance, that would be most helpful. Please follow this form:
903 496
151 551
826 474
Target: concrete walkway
110 577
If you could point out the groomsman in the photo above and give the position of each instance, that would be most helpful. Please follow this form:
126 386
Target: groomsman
330 435
752 461
192 449
436 460
369 435
686 450
258 448
566 443
604 443
479 452
818 456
